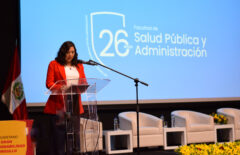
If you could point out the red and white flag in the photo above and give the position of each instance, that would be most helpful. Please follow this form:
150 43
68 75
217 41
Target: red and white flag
13 94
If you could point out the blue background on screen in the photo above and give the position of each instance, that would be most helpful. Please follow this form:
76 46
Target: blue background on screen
193 52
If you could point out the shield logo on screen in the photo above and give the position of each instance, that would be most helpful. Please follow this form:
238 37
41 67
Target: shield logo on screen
104 27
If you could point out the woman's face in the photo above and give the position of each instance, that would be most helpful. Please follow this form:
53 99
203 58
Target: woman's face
70 55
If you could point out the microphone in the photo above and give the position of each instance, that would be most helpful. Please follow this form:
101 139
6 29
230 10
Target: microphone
87 62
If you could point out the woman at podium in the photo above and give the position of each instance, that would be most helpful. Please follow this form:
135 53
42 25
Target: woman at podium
65 66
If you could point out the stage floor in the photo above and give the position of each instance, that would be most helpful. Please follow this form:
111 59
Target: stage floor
146 151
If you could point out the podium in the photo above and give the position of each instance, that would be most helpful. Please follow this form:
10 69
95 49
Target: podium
72 91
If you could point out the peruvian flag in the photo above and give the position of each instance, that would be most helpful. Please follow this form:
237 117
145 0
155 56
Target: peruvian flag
13 95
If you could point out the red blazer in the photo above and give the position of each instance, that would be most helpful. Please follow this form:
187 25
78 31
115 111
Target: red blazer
57 72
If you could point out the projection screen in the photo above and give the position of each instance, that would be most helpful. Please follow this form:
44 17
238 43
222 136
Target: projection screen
184 50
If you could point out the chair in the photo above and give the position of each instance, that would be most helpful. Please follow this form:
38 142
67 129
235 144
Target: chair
233 116
91 138
150 128
199 126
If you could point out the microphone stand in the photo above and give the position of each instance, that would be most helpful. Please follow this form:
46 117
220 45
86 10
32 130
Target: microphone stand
136 80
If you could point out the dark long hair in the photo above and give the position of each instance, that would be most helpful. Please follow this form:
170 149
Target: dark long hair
62 53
